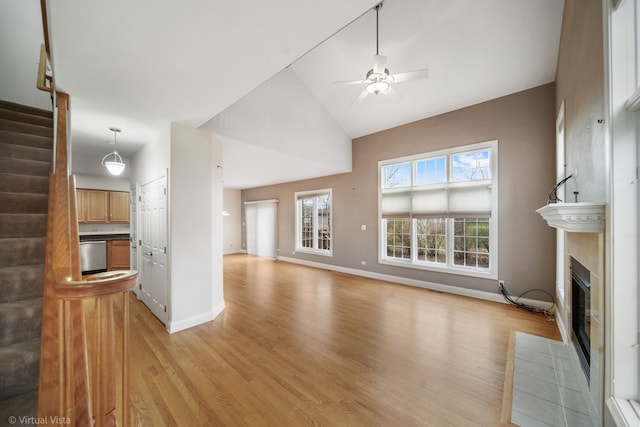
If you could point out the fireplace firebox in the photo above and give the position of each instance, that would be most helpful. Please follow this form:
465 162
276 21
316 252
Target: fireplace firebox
581 313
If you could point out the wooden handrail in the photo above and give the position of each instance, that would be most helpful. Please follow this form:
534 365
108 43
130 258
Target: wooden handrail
45 25
97 285
44 79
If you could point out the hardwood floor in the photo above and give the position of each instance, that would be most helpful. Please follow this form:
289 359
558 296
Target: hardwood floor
301 346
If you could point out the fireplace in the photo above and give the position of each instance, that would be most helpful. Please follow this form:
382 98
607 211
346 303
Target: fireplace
581 313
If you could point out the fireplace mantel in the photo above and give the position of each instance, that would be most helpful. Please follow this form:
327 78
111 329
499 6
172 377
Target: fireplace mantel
580 217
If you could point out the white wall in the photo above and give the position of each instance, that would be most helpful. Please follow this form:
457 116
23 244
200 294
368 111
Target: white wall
195 209
232 224
153 159
102 182
85 163
20 39
296 130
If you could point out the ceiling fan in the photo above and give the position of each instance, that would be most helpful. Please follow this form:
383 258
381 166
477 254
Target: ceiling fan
378 80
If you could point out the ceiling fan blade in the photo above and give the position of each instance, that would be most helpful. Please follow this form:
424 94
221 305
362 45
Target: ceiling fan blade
379 64
393 94
360 97
411 75
349 82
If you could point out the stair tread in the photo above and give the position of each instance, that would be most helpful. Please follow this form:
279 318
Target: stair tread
26 167
21 117
20 320
23 202
16 151
19 282
25 405
13 182
22 251
8 105
23 135
19 365
23 225
25 129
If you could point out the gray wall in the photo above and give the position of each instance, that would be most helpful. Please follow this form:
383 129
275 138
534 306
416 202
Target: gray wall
580 83
524 125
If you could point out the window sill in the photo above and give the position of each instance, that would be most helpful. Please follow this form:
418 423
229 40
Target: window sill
622 411
460 272
314 252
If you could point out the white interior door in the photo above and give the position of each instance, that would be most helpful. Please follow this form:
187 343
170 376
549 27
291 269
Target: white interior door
261 219
153 247
133 233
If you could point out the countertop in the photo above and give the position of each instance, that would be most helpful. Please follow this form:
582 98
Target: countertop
88 237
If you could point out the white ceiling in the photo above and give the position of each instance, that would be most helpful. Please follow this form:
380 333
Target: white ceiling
475 51
138 64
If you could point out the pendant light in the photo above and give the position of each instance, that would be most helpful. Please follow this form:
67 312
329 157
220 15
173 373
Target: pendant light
113 161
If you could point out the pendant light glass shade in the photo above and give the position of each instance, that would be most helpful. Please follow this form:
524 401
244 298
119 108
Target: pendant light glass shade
113 161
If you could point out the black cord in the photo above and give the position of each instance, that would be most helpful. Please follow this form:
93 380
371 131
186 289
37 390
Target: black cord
517 303
553 195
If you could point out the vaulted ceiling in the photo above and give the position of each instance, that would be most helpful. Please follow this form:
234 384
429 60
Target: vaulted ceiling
220 63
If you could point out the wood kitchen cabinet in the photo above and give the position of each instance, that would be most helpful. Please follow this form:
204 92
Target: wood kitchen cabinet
103 206
96 204
117 255
118 206
80 212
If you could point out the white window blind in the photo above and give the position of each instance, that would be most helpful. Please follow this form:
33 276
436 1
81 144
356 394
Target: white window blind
466 192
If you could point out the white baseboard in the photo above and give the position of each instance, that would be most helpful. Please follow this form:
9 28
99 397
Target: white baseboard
473 293
233 252
563 329
196 320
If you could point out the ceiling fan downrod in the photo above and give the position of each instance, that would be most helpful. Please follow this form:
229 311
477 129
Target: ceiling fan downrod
377 8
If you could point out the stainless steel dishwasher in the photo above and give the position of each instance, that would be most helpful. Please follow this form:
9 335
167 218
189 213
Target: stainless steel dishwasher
93 256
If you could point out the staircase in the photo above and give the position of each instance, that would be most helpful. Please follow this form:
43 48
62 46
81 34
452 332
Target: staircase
26 141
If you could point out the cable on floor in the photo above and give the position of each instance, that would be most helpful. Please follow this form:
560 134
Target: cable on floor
509 298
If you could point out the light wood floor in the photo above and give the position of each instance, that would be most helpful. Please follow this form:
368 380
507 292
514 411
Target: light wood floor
299 346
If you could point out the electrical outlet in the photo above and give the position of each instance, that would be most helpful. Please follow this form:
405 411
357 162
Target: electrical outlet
363 262
500 284
575 172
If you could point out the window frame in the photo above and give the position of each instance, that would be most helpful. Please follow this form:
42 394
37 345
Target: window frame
449 267
622 284
298 197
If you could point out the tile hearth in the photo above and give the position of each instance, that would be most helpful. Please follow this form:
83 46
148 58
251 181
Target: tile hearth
549 389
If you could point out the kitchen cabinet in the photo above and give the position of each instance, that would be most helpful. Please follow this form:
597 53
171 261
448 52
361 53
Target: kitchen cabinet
118 206
96 204
80 205
102 206
117 255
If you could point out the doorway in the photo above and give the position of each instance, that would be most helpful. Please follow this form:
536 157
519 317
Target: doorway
261 224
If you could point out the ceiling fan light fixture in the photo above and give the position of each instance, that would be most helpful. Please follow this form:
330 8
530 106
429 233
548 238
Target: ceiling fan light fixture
113 161
377 87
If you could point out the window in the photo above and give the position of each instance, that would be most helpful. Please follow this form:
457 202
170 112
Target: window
313 222
437 210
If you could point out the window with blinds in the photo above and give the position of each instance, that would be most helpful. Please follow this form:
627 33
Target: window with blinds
437 209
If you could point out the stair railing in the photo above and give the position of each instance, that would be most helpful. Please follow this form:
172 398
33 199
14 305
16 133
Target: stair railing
78 360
